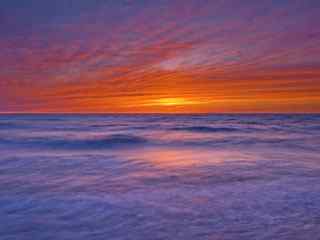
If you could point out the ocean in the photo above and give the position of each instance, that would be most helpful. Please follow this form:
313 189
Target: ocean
160 177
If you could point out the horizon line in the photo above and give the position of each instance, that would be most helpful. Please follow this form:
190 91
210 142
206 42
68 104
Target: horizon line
156 113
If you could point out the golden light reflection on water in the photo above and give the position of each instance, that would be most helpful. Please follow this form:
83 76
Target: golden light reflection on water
185 158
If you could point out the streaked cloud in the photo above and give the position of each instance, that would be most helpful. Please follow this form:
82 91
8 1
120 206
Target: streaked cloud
118 56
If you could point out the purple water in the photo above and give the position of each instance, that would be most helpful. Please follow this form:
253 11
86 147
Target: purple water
160 177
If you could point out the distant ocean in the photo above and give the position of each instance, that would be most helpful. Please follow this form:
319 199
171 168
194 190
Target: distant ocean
160 177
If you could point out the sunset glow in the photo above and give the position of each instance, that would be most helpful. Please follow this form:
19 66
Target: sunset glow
172 102
160 56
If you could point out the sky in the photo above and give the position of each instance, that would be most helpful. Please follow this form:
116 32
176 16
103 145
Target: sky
159 56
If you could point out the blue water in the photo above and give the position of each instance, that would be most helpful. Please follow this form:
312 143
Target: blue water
160 177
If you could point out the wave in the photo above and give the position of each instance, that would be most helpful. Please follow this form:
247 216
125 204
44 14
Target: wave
206 129
117 140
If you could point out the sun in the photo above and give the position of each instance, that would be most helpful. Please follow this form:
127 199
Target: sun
176 101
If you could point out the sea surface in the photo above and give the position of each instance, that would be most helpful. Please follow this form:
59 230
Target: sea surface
215 177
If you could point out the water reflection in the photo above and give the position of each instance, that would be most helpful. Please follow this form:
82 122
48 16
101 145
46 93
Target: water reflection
183 157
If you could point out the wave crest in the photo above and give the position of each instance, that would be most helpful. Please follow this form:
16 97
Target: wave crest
117 140
206 129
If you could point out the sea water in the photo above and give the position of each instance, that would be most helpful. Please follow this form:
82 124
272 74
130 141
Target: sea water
160 177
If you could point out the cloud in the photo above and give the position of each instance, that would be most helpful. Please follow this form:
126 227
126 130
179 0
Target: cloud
109 55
